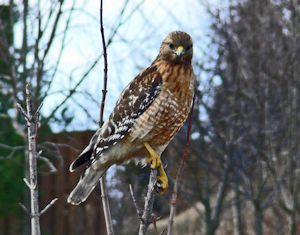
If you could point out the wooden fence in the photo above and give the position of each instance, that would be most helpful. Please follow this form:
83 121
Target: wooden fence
62 218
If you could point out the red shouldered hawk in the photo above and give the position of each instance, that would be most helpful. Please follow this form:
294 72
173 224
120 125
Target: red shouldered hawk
149 112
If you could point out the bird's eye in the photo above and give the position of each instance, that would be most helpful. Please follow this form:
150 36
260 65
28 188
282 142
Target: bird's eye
171 45
189 47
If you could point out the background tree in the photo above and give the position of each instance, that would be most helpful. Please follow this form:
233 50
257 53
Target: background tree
11 147
254 107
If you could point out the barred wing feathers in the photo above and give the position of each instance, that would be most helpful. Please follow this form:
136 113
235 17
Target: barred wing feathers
133 102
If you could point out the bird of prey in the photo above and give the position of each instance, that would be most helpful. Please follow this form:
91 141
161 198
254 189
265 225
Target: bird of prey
150 111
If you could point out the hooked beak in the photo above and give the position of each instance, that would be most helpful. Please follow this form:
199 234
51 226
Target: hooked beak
179 51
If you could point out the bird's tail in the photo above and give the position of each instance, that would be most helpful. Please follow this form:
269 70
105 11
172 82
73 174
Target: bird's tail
85 185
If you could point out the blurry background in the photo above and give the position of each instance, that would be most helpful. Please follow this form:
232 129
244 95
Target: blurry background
242 176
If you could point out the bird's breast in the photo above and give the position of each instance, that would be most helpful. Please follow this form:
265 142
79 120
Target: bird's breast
166 115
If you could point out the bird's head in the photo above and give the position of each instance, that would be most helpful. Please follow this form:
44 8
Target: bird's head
177 48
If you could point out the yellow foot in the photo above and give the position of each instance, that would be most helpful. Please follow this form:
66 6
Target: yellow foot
162 181
155 163
153 159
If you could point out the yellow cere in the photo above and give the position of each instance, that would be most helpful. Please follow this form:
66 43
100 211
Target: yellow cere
180 49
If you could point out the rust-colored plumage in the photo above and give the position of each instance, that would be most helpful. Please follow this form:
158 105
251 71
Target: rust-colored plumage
151 110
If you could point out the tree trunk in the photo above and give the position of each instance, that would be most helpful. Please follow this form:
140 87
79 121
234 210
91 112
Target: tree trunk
259 219
292 223
237 215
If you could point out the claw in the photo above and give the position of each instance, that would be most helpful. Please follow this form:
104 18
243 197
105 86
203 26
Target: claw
162 180
155 163
161 188
158 187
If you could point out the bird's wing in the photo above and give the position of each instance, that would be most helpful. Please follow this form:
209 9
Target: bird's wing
133 101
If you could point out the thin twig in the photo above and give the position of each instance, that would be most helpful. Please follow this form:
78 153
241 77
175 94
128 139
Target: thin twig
48 163
48 206
13 150
154 220
28 184
23 112
106 209
72 91
36 113
179 172
139 213
24 208
162 232
104 90
62 47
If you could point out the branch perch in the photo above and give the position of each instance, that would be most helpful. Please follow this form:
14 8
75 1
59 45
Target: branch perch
148 206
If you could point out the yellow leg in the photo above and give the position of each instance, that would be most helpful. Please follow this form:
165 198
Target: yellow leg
155 163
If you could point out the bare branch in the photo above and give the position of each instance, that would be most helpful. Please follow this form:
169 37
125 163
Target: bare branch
24 208
13 150
106 209
54 28
36 113
48 206
148 206
162 232
86 111
107 214
49 164
24 113
73 90
104 90
62 47
28 184
139 213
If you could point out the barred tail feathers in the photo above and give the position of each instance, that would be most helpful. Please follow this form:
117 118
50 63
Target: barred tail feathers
85 186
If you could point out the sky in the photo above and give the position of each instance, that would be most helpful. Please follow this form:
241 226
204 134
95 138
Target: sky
144 25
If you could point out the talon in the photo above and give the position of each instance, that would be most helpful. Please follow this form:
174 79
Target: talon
162 182
158 188
155 163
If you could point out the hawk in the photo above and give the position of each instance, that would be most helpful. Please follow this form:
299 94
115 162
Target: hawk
150 111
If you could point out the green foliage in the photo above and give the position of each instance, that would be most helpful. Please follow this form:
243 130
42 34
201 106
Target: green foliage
11 187
6 37
12 168
11 171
